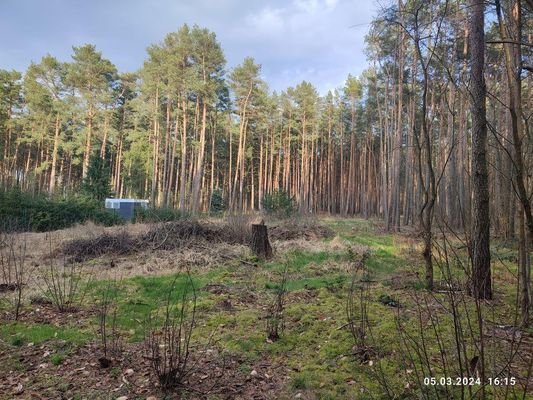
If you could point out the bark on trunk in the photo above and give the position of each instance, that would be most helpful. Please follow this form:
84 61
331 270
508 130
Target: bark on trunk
481 282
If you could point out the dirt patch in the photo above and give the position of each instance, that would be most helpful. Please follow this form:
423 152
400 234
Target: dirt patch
237 296
46 313
215 375
329 266
403 280
302 296
216 288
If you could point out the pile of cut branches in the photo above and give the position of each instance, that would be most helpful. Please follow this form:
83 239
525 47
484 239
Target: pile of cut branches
120 243
172 235
163 236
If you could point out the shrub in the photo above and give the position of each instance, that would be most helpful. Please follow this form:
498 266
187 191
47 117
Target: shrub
216 203
14 270
168 337
279 203
357 306
110 336
42 214
65 285
165 214
275 318
96 184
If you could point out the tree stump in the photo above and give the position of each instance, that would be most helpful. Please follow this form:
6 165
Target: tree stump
260 244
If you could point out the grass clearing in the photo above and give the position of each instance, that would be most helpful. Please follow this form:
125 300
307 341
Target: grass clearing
315 352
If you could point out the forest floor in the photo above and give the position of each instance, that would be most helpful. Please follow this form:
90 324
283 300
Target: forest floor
48 354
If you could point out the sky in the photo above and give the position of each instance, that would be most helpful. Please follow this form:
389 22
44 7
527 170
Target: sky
320 41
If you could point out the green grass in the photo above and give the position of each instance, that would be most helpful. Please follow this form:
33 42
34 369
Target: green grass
385 256
155 289
18 333
57 358
299 266
332 282
141 296
302 380
386 253
298 260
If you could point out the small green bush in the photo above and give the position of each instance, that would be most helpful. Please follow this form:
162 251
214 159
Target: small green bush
279 203
165 214
216 203
96 184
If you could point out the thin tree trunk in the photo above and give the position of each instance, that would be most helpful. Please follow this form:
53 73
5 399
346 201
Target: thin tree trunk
54 154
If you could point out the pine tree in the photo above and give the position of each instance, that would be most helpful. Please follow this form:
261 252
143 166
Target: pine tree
97 183
245 83
92 77
11 100
46 92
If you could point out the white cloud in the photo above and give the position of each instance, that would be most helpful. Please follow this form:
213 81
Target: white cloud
305 39
292 39
331 3
268 21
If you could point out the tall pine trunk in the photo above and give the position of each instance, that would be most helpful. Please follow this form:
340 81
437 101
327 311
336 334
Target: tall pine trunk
481 279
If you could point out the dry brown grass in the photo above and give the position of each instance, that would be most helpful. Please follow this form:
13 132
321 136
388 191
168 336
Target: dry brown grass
336 245
41 244
44 248
300 228
239 226
164 249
